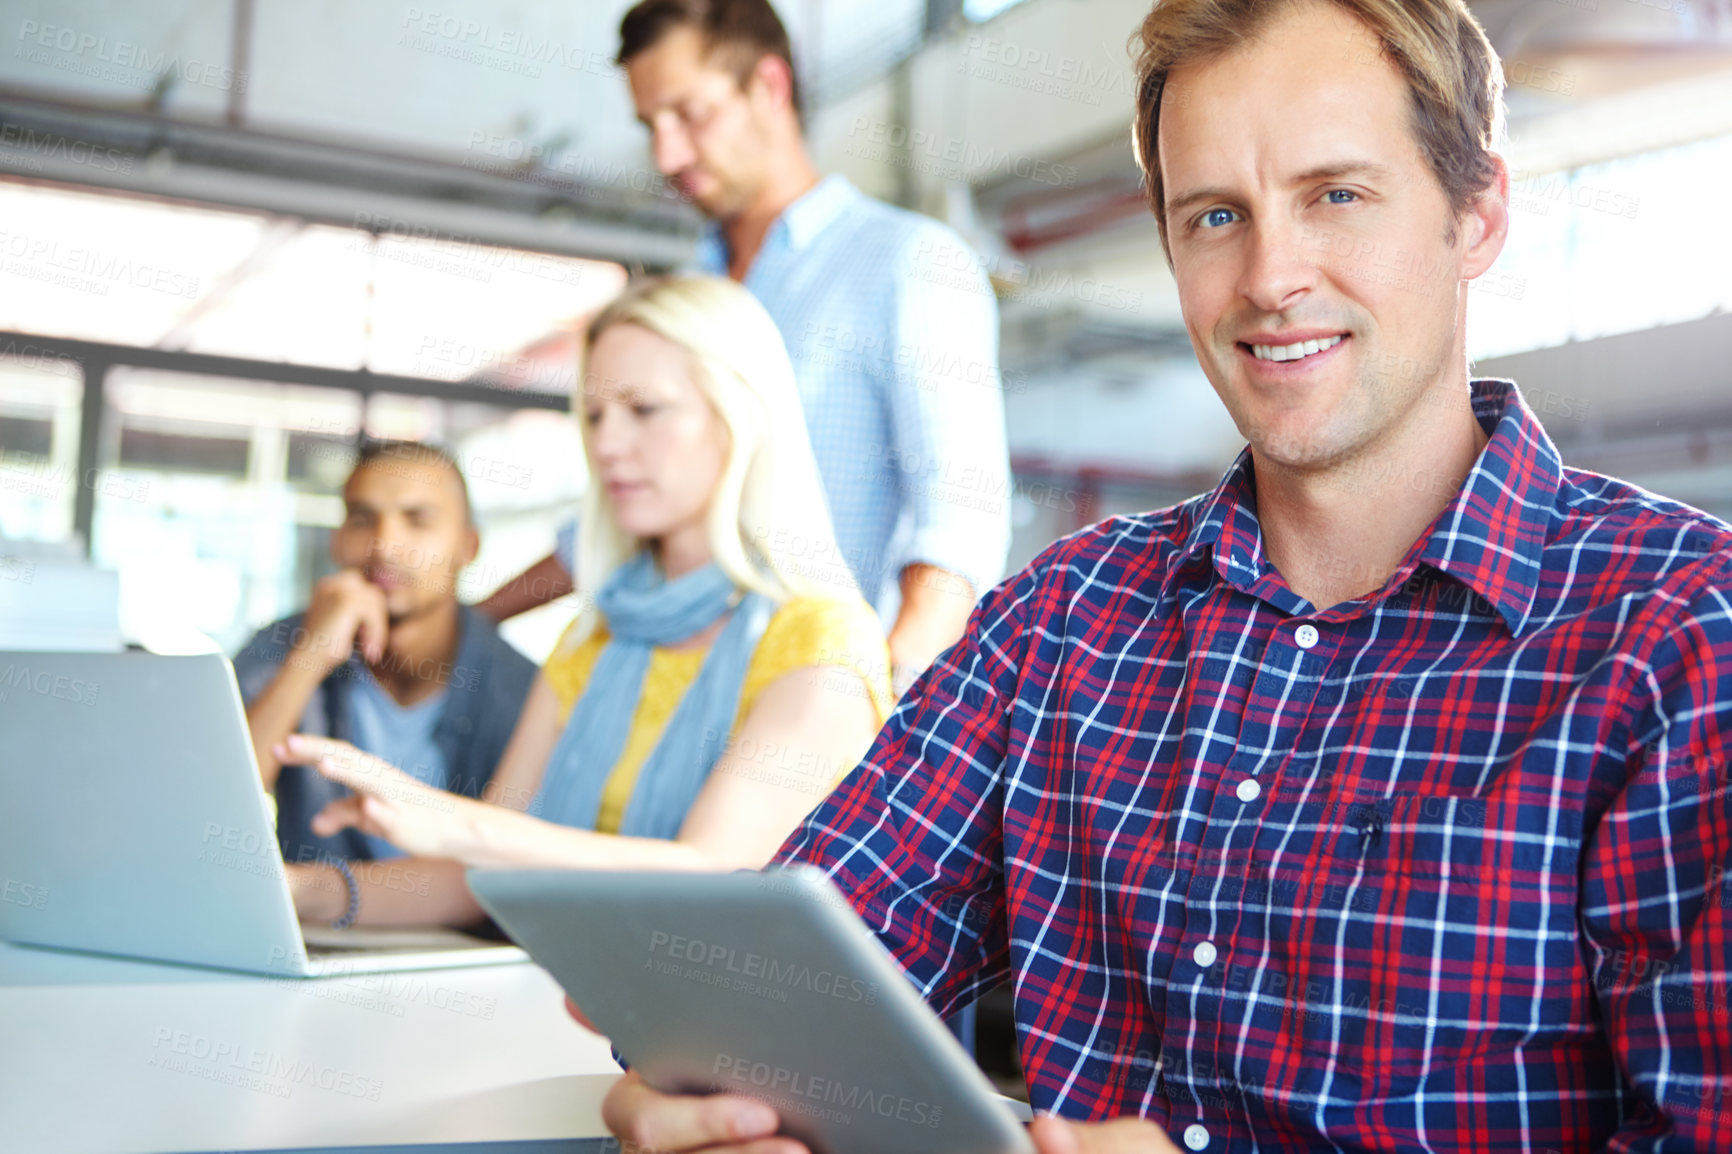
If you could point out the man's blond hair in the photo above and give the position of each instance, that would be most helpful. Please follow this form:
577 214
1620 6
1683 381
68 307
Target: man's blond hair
1452 73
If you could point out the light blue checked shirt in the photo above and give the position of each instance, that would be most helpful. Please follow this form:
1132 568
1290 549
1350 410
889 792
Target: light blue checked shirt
893 330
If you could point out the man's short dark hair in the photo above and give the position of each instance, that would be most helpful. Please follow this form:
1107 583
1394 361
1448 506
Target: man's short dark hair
736 33
384 451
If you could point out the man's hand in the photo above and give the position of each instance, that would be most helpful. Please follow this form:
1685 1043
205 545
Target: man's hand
388 803
648 1120
579 1016
347 613
1053 1135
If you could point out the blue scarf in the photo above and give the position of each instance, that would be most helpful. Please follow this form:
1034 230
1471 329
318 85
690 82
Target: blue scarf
645 610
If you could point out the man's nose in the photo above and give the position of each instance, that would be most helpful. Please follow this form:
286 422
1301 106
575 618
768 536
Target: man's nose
1279 268
387 538
671 147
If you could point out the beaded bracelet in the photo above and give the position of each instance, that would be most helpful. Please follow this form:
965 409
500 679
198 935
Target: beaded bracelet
354 910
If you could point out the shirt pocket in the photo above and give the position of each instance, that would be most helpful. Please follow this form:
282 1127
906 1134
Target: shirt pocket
1446 926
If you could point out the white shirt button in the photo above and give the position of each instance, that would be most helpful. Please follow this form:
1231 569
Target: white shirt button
1306 636
1249 790
1196 1137
1204 954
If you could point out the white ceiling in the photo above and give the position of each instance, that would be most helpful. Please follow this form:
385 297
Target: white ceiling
476 81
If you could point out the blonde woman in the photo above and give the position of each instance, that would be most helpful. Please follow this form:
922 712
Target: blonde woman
725 675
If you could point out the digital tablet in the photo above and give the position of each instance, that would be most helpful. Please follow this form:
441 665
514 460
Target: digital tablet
765 984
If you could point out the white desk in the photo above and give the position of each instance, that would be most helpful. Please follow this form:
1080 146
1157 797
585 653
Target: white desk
101 1056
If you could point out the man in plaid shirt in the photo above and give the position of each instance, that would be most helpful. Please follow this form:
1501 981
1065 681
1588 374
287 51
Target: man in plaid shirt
1377 799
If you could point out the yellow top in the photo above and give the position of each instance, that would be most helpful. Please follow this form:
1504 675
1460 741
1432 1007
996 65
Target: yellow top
807 631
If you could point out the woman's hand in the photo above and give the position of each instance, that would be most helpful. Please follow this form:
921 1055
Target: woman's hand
388 803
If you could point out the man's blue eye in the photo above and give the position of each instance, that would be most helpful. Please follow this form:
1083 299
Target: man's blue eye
1214 218
1347 192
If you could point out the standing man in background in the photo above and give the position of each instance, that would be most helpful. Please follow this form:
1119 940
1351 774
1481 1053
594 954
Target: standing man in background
895 349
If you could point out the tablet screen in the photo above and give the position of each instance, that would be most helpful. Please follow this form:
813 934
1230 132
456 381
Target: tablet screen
765 984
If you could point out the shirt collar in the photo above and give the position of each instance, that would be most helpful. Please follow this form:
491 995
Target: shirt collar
814 211
1227 523
803 220
1491 536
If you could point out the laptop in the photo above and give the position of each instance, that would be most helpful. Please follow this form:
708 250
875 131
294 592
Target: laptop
133 822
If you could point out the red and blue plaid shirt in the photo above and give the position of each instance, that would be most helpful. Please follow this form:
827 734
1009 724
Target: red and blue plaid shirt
1441 868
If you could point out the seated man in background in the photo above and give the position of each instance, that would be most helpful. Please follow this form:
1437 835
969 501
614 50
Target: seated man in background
1376 799
385 657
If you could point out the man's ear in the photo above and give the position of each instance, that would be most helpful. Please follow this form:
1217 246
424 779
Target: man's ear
772 77
471 545
1485 224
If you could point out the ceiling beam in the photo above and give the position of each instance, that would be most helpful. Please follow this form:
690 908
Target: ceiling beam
33 347
327 183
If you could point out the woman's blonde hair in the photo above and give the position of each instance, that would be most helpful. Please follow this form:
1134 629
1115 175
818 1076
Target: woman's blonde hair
769 527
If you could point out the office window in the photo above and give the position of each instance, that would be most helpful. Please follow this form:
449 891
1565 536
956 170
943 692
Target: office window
1606 249
197 510
195 453
1643 228
31 437
319 462
213 497
40 399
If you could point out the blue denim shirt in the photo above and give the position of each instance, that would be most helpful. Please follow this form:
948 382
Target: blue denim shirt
485 690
